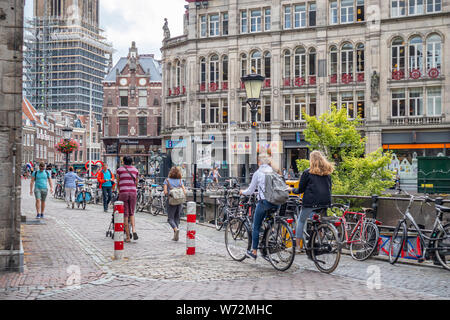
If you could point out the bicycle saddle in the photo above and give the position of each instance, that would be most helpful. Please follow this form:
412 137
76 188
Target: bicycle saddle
443 209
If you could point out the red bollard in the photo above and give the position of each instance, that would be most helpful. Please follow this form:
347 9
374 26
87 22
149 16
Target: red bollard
118 230
191 221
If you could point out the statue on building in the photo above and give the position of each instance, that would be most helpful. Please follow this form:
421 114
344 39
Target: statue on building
166 29
375 87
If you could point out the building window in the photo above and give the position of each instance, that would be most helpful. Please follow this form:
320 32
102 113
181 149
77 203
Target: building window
244 111
398 103
312 105
267 110
398 57
225 24
267 19
434 6
398 8
333 12
123 127
203 27
203 112
347 11
202 73
434 102
299 107
255 62
267 65
178 74
360 10
287 66
225 112
416 102
312 62
287 17
416 7
360 60
214 70
123 98
312 14
415 54
256 20
214 24
287 108
333 64
225 69
348 103
360 104
244 22
214 112
178 114
143 98
142 126
243 65
434 53
300 63
347 62
300 16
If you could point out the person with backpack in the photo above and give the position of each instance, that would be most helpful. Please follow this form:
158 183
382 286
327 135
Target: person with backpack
176 194
127 180
39 181
70 186
272 192
315 185
106 182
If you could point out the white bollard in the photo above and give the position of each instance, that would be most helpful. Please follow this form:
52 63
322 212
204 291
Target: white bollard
191 216
118 230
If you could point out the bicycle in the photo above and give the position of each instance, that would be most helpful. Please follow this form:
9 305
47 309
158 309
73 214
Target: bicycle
362 238
322 243
438 245
143 198
59 189
82 196
158 200
226 204
276 242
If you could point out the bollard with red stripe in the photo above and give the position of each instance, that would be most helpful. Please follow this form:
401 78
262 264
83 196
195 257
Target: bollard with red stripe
191 221
118 230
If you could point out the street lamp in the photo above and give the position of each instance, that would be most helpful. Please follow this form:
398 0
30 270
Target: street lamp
67 134
253 85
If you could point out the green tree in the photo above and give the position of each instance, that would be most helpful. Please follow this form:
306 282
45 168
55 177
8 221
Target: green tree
357 173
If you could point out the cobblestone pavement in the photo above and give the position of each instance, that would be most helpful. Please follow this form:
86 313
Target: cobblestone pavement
69 257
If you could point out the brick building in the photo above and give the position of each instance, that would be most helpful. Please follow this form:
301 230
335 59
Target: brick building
132 109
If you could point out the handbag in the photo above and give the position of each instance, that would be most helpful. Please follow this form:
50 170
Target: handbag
176 195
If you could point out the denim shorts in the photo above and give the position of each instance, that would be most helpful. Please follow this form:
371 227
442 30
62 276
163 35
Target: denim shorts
40 194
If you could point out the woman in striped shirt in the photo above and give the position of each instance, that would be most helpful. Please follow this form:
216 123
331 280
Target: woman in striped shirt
127 180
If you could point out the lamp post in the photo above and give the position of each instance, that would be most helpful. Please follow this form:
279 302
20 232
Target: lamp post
67 134
253 85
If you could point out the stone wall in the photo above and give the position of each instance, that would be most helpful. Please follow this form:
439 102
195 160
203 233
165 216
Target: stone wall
11 41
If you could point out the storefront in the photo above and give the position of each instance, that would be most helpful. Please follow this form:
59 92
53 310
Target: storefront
295 148
138 149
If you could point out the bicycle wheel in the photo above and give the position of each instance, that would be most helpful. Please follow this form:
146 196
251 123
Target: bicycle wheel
237 239
219 219
154 207
325 248
443 255
280 246
397 242
364 248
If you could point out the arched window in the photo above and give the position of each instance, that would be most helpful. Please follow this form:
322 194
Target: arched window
360 61
398 58
287 67
178 73
225 72
347 62
202 74
243 65
416 55
300 63
267 65
255 62
214 71
333 64
434 54
312 62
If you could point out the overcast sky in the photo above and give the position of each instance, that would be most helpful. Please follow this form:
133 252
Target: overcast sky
136 20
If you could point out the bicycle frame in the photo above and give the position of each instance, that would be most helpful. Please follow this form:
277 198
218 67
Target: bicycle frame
350 240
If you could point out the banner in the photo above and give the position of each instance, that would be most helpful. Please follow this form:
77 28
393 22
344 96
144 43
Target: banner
204 160
246 147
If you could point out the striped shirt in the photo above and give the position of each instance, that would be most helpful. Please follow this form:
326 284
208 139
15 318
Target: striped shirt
127 183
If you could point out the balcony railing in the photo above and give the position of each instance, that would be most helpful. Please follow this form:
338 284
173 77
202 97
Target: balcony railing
415 74
294 125
413 121
213 87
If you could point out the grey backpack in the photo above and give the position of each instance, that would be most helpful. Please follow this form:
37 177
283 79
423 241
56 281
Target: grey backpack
277 192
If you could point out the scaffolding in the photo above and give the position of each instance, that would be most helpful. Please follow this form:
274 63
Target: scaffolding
62 57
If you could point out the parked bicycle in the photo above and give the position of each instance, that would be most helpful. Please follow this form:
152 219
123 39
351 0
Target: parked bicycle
360 235
82 195
158 200
226 204
143 197
435 246
277 242
59 188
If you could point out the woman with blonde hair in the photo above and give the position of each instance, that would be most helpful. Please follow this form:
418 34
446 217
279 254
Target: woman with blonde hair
315 185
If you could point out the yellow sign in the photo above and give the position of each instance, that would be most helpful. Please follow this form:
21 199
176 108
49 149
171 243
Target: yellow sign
427 185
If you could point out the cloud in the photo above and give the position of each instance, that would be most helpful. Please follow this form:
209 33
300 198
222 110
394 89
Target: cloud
140 21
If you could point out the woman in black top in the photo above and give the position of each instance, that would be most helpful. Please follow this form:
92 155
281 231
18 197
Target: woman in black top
315 184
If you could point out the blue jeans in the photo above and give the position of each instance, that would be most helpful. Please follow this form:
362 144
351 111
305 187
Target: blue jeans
304 215
107 196
260 214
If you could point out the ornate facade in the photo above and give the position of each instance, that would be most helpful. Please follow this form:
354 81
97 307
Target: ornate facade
384 60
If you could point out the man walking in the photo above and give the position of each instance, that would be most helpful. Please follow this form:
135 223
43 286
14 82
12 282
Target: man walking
39 181
106 180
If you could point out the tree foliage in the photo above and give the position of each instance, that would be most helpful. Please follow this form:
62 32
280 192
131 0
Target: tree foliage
357 173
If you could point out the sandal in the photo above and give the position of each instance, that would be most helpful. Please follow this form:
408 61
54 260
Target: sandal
135 236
